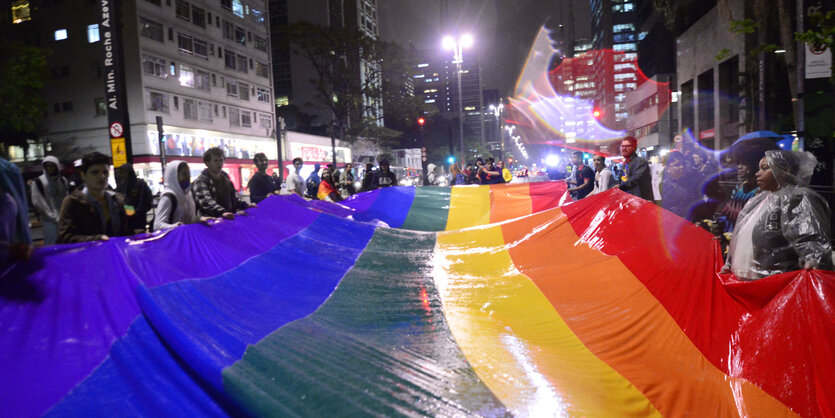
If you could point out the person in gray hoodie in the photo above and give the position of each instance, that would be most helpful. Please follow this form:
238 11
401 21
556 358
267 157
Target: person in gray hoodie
48 192
176 204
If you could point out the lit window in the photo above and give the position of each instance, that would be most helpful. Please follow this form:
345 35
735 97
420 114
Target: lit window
101 106
93 33
20 11
186 76
60 34
282 101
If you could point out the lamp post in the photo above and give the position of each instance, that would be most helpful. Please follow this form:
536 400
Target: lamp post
457 46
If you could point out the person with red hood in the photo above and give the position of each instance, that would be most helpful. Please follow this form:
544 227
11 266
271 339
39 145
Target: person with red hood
636 179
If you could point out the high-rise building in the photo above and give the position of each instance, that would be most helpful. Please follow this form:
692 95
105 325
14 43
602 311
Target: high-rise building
653 118
292 73
200 65
436 80
614 28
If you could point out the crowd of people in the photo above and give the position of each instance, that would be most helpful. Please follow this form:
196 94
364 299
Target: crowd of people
770 221
481 171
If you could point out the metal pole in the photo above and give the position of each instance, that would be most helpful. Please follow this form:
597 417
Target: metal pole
161 138
800 61
279 144
459 60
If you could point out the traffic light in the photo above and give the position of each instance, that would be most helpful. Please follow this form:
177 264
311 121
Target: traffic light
597 113
510 160
421 121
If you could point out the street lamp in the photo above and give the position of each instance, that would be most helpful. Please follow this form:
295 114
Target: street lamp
457 46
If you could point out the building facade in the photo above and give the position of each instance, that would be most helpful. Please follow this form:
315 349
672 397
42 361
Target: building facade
292 73
200 65
614 29
709 102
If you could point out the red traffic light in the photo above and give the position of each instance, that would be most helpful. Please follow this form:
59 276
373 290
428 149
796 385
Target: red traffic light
597 113
421 121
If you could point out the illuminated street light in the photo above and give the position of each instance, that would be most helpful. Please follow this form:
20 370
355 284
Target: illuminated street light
457 46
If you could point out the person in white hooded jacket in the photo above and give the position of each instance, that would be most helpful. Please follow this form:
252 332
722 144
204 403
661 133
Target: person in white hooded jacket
176 205
48 193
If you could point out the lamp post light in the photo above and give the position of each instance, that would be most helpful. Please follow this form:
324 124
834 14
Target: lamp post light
457 47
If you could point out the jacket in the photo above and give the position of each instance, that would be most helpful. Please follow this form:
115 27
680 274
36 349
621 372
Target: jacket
82 220
206 199
52 186
638 179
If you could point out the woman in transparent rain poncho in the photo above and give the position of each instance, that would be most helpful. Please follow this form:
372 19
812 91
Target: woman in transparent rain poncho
785 227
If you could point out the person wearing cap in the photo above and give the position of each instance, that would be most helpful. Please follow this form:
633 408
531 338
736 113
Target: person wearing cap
384 177
48 192
636 179
785 227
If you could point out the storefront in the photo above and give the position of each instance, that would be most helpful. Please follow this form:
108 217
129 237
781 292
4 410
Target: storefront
313 149
189 145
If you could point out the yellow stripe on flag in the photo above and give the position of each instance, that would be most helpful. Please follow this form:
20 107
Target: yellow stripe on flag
515 340
468 206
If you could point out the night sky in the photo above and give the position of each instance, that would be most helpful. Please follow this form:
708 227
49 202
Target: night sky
504 30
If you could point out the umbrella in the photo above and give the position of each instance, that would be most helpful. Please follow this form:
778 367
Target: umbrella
758 134
754 144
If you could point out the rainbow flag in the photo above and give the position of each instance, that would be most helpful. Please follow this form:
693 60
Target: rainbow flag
473 300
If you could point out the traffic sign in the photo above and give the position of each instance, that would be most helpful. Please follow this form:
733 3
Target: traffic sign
117 149
116 130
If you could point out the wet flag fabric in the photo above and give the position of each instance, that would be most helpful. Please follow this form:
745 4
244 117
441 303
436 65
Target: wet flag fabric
472 300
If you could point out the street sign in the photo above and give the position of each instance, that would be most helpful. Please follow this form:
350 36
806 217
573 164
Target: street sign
117 148
116 130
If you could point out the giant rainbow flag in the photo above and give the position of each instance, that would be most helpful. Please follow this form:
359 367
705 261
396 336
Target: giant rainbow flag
473 300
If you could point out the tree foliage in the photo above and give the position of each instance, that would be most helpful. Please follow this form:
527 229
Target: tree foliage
23 75
350 75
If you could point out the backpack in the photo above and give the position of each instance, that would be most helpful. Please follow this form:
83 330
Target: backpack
312 187
170 214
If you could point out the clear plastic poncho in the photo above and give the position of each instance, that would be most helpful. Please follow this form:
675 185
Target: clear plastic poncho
786 229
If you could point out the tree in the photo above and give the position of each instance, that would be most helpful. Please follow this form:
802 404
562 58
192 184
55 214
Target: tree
23 75
353 76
